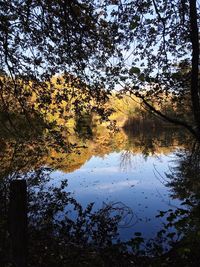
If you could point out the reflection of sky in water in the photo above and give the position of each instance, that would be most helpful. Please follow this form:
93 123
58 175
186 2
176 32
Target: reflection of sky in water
134 181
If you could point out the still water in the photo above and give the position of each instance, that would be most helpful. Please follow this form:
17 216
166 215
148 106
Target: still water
125 169
136 173
131 175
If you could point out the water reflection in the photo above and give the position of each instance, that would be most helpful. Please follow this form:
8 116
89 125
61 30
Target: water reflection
110 168
60 236
184 179
182 228
24 154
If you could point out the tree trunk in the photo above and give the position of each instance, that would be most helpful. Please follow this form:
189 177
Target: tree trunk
194 35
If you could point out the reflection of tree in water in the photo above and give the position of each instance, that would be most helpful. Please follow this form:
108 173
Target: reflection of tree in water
182 230
50 149
178 242
126 160
58 237
60 230
18 156
148 142
129 161
152 141
185 177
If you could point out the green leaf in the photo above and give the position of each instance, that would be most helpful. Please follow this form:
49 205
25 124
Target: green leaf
142 77
135 22
133 25
134 70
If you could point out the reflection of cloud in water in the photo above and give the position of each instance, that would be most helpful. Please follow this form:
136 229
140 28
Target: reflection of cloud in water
109 187
116 186
106 170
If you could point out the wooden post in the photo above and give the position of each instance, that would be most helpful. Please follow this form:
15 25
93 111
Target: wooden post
18 222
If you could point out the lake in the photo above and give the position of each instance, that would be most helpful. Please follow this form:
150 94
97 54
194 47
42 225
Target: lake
131 177
127 171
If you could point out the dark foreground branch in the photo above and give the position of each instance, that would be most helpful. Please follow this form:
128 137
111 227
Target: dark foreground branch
169 119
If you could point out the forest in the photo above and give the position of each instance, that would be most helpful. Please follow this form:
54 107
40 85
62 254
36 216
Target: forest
99 133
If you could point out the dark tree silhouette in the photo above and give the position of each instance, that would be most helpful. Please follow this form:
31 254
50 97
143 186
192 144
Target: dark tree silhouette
98 44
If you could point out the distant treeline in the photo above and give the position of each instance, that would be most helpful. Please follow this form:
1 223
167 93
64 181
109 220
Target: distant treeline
67 102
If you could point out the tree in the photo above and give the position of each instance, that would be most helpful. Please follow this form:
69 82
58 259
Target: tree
42 38
158 37
138 44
